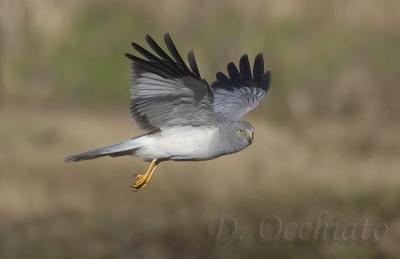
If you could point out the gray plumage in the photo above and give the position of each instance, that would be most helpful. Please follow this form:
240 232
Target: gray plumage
183 116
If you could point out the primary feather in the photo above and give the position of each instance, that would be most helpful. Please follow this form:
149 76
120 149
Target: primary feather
165 92
236 95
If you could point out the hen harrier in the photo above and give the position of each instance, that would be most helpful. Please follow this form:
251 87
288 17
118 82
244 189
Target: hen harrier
183 116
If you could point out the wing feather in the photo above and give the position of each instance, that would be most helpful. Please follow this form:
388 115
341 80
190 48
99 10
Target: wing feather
165 92
236 95
174 52
221 76
245 68
258 68
153 44
234 72
193 64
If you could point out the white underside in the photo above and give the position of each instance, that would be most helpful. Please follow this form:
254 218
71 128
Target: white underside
179 143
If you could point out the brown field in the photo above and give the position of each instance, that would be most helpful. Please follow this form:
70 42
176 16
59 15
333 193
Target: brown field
53 209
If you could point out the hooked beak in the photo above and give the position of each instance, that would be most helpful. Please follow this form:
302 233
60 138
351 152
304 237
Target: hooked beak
251 137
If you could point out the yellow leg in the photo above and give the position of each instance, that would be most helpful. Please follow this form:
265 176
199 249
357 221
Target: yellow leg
142 179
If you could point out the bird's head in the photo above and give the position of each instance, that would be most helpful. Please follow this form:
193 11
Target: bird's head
245 131
240 134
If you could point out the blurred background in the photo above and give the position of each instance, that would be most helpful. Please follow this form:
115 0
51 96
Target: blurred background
327 134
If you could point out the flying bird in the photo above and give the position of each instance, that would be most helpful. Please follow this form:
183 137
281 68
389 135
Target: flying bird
183 116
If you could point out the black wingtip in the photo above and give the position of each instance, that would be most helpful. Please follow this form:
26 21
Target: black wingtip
130 56
266 81
167 35
243 75
174 52
134 45
233 72
147 37
259 59
157 49
193 64
245 69
221 76
150 41
161 62
258 68
134 58
137 47
244 57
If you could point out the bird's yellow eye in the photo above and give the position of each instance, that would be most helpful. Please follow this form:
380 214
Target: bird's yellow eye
241 132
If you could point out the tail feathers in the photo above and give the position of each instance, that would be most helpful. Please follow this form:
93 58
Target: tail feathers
120 149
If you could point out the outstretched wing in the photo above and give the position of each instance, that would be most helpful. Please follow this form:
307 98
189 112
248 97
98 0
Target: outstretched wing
165 91
236 95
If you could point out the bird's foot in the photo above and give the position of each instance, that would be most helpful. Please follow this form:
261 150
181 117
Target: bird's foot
142 179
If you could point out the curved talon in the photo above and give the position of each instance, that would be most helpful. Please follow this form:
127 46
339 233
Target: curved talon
142 179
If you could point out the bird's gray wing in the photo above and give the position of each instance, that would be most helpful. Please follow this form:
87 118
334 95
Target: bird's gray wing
165 91
236 95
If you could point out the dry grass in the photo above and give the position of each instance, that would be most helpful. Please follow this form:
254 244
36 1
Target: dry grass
52 209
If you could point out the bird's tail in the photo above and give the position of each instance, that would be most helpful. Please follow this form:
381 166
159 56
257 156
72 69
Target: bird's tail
127 147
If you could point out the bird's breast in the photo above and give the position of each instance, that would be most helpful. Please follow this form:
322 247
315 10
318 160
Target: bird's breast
183 143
